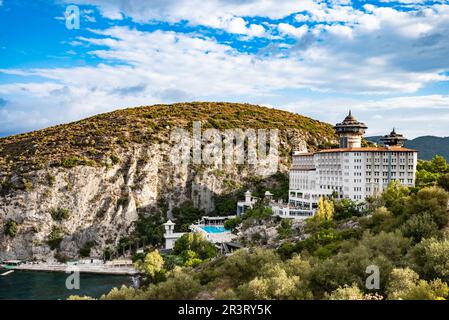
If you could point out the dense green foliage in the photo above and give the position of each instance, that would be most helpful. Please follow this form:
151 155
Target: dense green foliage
185 215
55 237
60 214
96 140
194 249
10 228
86 249
433 172
402 232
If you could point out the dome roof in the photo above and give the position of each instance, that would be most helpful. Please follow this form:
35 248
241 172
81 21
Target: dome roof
393 139
350 124
350 118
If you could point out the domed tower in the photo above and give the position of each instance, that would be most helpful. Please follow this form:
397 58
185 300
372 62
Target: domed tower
393 139
351 132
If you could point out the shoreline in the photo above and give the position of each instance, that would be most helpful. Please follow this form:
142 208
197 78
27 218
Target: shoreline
89 269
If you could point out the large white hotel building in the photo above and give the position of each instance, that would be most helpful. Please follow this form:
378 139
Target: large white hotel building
350 171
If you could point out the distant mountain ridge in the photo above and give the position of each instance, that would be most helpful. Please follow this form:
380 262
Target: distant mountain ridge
428 146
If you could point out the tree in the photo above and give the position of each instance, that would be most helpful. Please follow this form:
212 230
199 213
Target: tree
431 258
420 226
352 292
232 224
152 266
273 283
345 208
150 229
430 172
325 211
395 197
382 220
10 228
181 284
439 164
431 200
405 284
443 182
185 215
194 249
245 265
124 293
285 229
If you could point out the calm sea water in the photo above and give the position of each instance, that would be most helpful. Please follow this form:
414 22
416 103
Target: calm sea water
24 285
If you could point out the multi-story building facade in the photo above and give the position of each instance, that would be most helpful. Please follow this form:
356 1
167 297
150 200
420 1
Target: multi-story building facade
350 171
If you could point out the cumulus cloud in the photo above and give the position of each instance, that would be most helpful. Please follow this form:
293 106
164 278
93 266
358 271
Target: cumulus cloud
411 115
323 47
197 11
288 29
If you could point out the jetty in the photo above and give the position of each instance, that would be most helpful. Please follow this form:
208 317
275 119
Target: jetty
118 267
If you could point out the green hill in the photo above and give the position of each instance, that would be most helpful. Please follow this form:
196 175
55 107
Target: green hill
428 146
94 140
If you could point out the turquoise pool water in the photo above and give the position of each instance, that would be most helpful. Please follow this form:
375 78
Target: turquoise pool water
214 229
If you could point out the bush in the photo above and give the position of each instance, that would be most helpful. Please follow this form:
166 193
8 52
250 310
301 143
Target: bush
185 215
430 200
74 161
431 258
285 229
149 228
181 284
194 249
11 228
443 182
153 266
404 284
232 224
86 248
60 214
55 238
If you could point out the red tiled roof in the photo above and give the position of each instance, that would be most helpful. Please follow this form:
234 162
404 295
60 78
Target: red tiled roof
370 149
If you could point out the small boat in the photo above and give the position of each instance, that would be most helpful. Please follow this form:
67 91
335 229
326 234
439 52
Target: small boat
6 273
10 264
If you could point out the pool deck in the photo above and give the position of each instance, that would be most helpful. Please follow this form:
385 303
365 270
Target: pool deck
82 268
221 237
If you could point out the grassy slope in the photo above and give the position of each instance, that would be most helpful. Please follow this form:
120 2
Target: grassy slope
92 141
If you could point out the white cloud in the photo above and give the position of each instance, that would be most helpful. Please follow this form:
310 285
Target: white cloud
371 50
411 115
238 25
198 11
287 29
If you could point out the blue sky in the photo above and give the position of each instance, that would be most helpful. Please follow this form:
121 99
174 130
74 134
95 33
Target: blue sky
386 60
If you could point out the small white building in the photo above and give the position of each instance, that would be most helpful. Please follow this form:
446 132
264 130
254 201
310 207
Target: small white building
171 236
248 203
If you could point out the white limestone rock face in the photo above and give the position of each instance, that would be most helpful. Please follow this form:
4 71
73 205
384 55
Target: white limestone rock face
104 201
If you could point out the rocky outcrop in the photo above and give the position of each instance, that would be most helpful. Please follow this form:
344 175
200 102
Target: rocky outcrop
100 202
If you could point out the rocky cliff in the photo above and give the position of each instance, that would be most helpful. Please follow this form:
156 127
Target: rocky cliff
85 182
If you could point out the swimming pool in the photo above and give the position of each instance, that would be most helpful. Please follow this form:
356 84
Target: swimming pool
214 229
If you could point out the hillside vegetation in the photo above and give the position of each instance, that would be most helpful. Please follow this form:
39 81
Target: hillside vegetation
402 234
94 141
